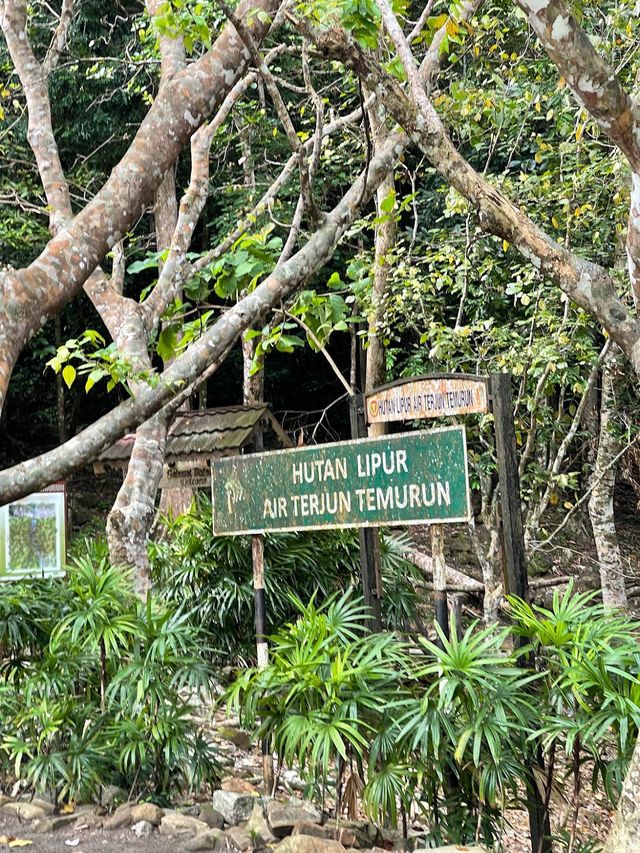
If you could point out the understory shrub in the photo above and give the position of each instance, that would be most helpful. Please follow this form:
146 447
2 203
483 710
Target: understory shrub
211 577
448 728
94 687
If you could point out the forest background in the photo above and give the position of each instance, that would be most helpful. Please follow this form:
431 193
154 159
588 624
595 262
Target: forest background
356 184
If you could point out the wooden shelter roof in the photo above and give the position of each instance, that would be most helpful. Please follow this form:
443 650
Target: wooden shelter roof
205 433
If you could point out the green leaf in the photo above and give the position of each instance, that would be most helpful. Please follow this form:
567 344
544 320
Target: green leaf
167 343
69 375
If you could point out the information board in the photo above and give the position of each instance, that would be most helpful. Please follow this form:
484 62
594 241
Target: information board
32 536
411 478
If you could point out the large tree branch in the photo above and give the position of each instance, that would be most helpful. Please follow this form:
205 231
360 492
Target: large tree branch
107 299
600 92
591 79
177 269
29 476
39 129
587 283
75 251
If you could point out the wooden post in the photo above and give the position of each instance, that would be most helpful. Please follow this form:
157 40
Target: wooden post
439 578
369 565
262 648
516 581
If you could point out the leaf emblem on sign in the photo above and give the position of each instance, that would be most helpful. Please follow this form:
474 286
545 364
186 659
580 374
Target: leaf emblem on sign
234 490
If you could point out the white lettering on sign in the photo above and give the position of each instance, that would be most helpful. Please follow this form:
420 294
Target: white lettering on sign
428 398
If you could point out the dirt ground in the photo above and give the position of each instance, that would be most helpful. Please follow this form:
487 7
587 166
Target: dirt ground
83 841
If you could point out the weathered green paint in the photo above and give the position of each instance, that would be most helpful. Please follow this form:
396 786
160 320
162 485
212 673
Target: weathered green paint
411 478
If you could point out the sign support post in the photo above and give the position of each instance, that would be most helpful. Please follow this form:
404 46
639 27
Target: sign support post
516 581
439 579
370 569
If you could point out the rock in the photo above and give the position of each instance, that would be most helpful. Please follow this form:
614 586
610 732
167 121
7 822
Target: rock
452 848
91 820
51 824
147 812
257 824
174 823
142 828
309 844
242 838
233 807
284 816
210 816
235 736
293 779
111 794
211 839
237 786
25 811
46 805
344 835
122 816
362 833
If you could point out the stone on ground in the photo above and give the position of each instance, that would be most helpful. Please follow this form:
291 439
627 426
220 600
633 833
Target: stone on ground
25 811
284 816
147 811
309 844
257 824
452 848
52 824
344 835
210 816
238 786
236 736
233 807
242 838
142 828
211 839
174 823
122 816
355 833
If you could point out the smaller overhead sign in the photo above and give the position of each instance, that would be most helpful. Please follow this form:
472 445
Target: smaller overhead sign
428 397
412 478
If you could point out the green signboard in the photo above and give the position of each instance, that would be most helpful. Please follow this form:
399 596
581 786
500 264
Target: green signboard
411 478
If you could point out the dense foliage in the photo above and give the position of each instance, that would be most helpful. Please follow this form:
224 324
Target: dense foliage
209 578
448 727
95 688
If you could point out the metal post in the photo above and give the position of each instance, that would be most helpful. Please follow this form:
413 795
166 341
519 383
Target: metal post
516 581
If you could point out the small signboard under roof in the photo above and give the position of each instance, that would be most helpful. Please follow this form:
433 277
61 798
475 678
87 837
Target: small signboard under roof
197 437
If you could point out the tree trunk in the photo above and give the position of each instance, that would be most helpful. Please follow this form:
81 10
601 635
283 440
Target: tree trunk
131 517
601 501
625 833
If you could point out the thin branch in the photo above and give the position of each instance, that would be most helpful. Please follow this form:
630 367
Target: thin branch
540 545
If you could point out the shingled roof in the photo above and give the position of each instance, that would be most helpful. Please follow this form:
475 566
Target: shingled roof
204 434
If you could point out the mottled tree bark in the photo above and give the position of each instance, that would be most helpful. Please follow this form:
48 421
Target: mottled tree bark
601 511
30 296
625 833
588 284
208 351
